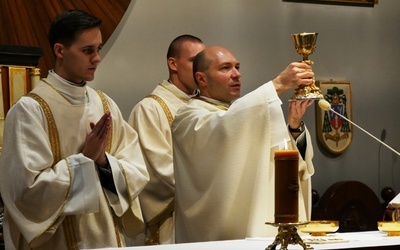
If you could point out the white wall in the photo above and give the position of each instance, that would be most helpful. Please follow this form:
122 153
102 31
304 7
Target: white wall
359 44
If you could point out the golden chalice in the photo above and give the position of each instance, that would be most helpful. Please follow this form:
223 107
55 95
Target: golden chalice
305 45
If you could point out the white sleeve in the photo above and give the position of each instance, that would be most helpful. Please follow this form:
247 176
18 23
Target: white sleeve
279 133
83 197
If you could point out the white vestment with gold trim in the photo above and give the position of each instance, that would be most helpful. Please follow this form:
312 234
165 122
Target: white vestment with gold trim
149 119
38 193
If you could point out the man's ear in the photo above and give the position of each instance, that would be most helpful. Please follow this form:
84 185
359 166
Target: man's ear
172 63
59 50
201 79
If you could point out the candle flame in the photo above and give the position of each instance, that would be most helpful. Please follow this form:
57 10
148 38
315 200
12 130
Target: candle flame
285 145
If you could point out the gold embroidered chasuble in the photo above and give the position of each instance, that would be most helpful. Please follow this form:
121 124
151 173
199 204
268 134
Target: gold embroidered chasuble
45 192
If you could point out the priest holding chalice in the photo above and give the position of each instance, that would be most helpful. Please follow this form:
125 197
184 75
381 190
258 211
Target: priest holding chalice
224 147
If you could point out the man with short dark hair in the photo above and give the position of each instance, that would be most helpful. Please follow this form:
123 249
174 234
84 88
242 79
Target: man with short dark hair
71 167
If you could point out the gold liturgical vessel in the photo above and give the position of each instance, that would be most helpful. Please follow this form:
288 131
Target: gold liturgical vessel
305 45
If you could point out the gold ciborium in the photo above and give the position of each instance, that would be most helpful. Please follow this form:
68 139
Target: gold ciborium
305 45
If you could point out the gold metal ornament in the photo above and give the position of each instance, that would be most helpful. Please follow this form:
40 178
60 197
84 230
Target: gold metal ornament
305 45
287 234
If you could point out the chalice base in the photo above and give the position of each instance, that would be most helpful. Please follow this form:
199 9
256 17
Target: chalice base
287 234
307 92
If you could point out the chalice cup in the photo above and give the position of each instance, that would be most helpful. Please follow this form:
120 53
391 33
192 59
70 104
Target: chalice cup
304 44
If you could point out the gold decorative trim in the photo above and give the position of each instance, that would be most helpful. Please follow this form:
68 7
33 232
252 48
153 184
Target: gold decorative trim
164 107
35 77
55 148
18 83
69 233
35 72
114 217
155 223
163 214
214 104
119 242
172 92
108 149
106 109
54 139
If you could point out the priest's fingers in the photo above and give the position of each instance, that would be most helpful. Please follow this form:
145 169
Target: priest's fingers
295 74
298 108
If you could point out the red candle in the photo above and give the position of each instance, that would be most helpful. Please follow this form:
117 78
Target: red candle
286 186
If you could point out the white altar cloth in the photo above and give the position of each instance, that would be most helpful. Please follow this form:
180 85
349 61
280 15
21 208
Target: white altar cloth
352 241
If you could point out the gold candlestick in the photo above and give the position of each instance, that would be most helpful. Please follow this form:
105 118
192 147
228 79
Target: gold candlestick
304 44
287 234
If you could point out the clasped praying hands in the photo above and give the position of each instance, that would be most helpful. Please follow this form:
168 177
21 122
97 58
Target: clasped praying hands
96 141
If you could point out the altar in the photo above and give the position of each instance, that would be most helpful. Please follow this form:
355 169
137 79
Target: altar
372 240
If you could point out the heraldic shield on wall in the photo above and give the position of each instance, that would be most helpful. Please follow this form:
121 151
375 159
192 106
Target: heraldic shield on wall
335 133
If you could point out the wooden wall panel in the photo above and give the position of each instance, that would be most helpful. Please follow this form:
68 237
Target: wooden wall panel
26 22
